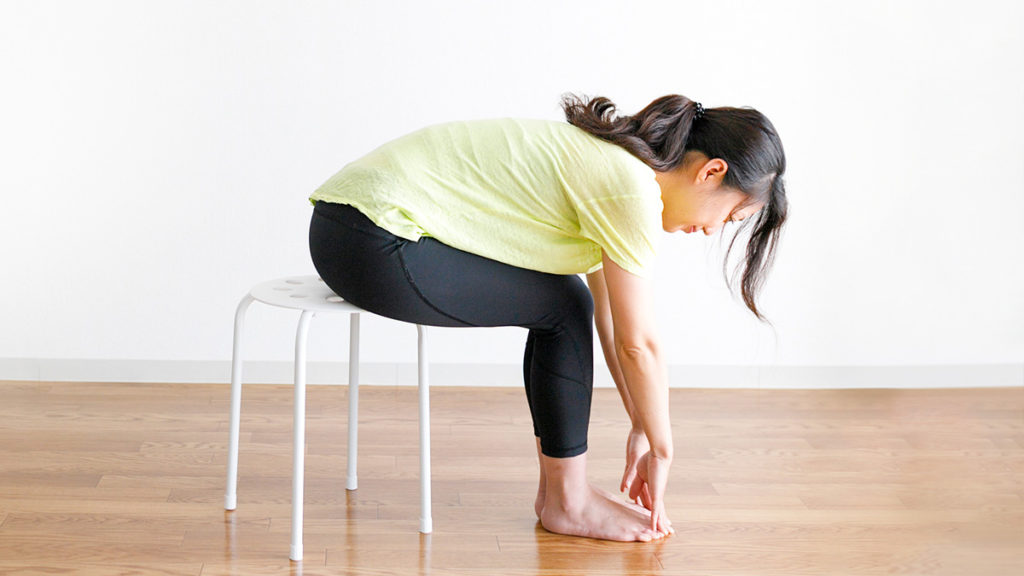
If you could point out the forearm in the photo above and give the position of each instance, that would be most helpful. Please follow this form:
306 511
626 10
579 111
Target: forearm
611 358
646 385
625 327
640 373
606 334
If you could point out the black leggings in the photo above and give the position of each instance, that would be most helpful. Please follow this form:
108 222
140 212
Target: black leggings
430 283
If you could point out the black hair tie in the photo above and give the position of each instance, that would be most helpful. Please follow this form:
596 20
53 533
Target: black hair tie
700 110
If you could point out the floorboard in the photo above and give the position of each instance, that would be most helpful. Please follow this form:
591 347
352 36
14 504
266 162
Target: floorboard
116 478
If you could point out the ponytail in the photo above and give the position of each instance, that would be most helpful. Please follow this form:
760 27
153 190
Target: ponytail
765 230
657 135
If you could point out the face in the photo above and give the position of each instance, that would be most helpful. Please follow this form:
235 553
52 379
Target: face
695 199
708 210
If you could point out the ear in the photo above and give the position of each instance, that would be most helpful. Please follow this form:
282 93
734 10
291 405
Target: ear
713 169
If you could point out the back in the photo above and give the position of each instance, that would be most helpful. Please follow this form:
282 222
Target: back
536 194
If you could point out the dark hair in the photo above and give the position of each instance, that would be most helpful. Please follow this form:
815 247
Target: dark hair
662 133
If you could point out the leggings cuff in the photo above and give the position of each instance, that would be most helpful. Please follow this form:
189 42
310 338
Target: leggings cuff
563 452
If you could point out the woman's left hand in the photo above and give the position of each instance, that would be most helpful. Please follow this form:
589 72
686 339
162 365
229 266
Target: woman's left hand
636 446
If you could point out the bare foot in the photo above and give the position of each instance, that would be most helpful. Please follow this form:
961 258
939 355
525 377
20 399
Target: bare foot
538 503
594 513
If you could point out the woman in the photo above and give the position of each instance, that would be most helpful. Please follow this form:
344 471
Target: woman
488 223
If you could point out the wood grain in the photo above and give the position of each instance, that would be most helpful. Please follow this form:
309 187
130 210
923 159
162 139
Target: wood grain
104 479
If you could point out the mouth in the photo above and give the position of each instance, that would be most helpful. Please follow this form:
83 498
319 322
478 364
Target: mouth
690 230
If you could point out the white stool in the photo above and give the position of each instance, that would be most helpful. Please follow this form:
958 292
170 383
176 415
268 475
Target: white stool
311 295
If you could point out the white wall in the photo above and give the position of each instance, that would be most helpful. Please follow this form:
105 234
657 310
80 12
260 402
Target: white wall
157 156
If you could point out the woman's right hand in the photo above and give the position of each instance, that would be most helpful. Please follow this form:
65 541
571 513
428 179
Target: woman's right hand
648 487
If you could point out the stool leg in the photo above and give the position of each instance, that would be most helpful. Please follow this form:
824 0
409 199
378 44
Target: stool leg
352 482
299 434
426 522
230 496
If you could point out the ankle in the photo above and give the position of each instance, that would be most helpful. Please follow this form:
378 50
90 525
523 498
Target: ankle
567 497
566 479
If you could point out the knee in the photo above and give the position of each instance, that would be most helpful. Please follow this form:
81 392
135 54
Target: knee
580 306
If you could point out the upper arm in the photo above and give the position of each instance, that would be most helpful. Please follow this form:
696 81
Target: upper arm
631 301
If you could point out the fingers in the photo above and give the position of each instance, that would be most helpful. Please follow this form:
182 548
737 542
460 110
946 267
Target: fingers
660 522
640 492
647 483
636 446
627 477
635 487
657 479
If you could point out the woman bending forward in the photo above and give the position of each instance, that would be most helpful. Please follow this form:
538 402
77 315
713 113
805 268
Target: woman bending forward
488 223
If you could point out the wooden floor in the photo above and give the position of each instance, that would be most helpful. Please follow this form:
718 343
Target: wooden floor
128 479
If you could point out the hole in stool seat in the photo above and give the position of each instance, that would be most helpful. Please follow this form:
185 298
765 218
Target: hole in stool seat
293 281
299 295
335 299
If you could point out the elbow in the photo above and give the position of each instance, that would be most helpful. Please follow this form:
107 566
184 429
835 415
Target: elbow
637 353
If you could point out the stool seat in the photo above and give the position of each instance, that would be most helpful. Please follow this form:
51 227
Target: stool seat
301 293
312 296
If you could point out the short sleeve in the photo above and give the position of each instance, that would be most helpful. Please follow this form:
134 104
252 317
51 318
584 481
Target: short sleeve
626 227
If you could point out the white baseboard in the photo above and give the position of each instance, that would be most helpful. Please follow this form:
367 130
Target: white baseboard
396 374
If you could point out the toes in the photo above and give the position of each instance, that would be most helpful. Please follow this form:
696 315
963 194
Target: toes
649 536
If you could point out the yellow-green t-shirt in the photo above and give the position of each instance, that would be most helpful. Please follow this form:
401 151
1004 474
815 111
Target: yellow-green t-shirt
535 194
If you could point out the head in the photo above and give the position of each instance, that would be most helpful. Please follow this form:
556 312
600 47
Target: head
696 198
723 165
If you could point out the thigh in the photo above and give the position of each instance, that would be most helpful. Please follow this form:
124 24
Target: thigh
428 282
479 291
361 262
